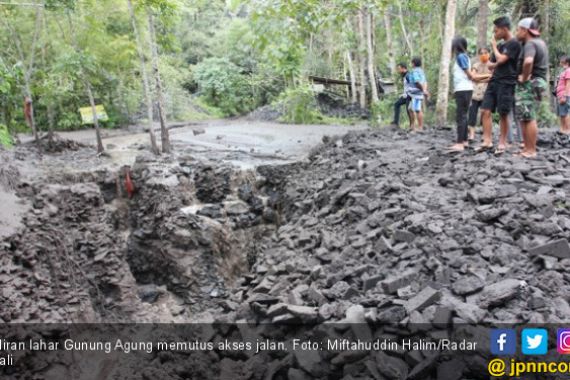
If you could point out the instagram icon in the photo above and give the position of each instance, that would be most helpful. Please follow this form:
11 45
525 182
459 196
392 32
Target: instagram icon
563 341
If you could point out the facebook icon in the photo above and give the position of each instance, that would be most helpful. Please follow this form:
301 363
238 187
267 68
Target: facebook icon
503 342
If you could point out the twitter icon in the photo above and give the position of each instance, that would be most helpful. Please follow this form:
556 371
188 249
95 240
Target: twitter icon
534 341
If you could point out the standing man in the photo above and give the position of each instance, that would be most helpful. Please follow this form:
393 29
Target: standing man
418 90
532 85
500 92
404 99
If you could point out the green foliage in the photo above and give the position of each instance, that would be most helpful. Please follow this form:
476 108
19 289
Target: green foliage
546 117
5 138
299 106
223 86
382 111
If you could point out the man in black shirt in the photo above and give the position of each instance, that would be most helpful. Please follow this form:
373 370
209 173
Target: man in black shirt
532 85
404 99
500 93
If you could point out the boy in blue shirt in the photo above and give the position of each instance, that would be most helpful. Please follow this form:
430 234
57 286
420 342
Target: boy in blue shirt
418 91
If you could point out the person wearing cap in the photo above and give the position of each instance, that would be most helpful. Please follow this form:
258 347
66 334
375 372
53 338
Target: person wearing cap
563 95
500 92
532 85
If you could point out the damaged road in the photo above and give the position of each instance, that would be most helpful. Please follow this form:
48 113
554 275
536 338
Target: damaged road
376 227
378 219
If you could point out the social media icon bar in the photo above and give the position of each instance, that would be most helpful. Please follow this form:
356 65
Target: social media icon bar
534 341
504 342
563 341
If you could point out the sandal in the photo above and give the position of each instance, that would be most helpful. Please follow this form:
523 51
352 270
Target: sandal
500 150
529 156
483 148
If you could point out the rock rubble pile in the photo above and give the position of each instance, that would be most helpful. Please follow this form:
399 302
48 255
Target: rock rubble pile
414 235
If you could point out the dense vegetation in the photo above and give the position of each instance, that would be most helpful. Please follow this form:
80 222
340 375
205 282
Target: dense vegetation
224 58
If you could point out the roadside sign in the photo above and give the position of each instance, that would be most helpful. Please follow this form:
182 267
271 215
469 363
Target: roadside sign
87 114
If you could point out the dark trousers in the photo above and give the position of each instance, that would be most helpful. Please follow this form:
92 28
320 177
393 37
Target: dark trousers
473 112
462 101
399 103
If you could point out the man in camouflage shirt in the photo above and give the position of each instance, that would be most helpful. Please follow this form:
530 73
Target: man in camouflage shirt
532 85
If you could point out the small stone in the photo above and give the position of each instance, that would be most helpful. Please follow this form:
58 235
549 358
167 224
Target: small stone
371 282
404 236
469 313
276 310
558 248
392 284
305 313
442 317
423 299
499 293
467 285
392 314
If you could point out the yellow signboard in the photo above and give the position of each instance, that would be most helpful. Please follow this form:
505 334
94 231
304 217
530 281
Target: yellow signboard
87 114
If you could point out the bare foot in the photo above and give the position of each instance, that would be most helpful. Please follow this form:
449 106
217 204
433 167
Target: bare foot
525 154
457 147
500 149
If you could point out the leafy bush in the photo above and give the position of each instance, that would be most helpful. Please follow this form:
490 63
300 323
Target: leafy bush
298 105
5 138
381 113
68 120
546 117
222 85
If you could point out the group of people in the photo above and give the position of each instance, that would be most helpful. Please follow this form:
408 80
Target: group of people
509 79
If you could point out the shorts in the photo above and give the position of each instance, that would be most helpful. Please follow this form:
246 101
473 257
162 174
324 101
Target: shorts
499 97
416 104
528 97
564 109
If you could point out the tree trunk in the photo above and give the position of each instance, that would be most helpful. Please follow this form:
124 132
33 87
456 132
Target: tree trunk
28 71
361 60
146 87
370 48
51 121
546 33
159 92
482 23
353 90
88 88
389 43
443 84
94 110
404 31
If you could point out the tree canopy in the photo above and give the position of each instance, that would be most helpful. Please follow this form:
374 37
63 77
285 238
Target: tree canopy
225 58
